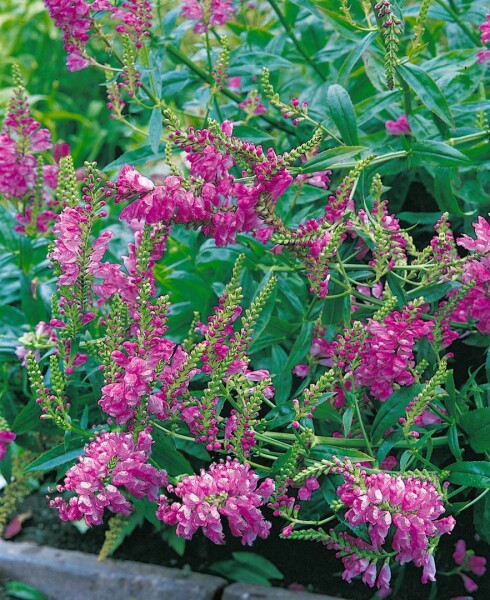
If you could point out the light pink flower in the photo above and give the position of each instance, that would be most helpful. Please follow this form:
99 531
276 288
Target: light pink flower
228 489
113 462
301 370
482 241
218 12
398 127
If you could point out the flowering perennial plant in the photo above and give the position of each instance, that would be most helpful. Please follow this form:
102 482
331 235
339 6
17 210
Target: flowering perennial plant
250 323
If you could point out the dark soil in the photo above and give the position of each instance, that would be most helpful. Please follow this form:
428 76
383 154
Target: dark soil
306 563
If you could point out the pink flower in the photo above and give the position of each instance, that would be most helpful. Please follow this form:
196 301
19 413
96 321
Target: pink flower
384 577
111 462
429 571
398 127
485 30
6 437
228 489
470 585
301 370
483 56
131 183
74 19
482 241
309 486
217 12
468 560
387 351
410 506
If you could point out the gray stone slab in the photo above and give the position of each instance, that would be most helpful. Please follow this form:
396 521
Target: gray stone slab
70 575
243 591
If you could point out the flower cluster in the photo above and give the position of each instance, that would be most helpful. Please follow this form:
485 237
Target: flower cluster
6 437
207 13
401 512
484 55
43 337
357 558
77 21
228 489
211 198
21 137
475 304
384 349
112 464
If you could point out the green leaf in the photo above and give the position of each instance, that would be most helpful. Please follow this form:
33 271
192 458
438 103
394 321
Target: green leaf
282 377
139 156
173 540
238 572
437 154
54 458
329 157
472 473
259 563
251 134
481 518
426 89
155 128
343 114
168 457
22 591
347 420
266 313
301 346
392 409
453 442
397 289
309 6
354 56
28 418
434 291
476 423
327 451
333 307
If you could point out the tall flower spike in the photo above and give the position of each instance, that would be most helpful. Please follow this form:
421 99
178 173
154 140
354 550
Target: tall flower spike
419 27
21 138
390 28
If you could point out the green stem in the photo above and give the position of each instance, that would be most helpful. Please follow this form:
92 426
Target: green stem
176 53
361 424
294 39
314 523
475 500
471 35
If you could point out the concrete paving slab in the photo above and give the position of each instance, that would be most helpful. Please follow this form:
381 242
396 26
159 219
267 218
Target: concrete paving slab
71 575
244 591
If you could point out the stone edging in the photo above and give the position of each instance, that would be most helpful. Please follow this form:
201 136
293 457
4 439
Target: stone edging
71 575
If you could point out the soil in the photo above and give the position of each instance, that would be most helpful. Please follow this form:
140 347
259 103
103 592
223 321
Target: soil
305 563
